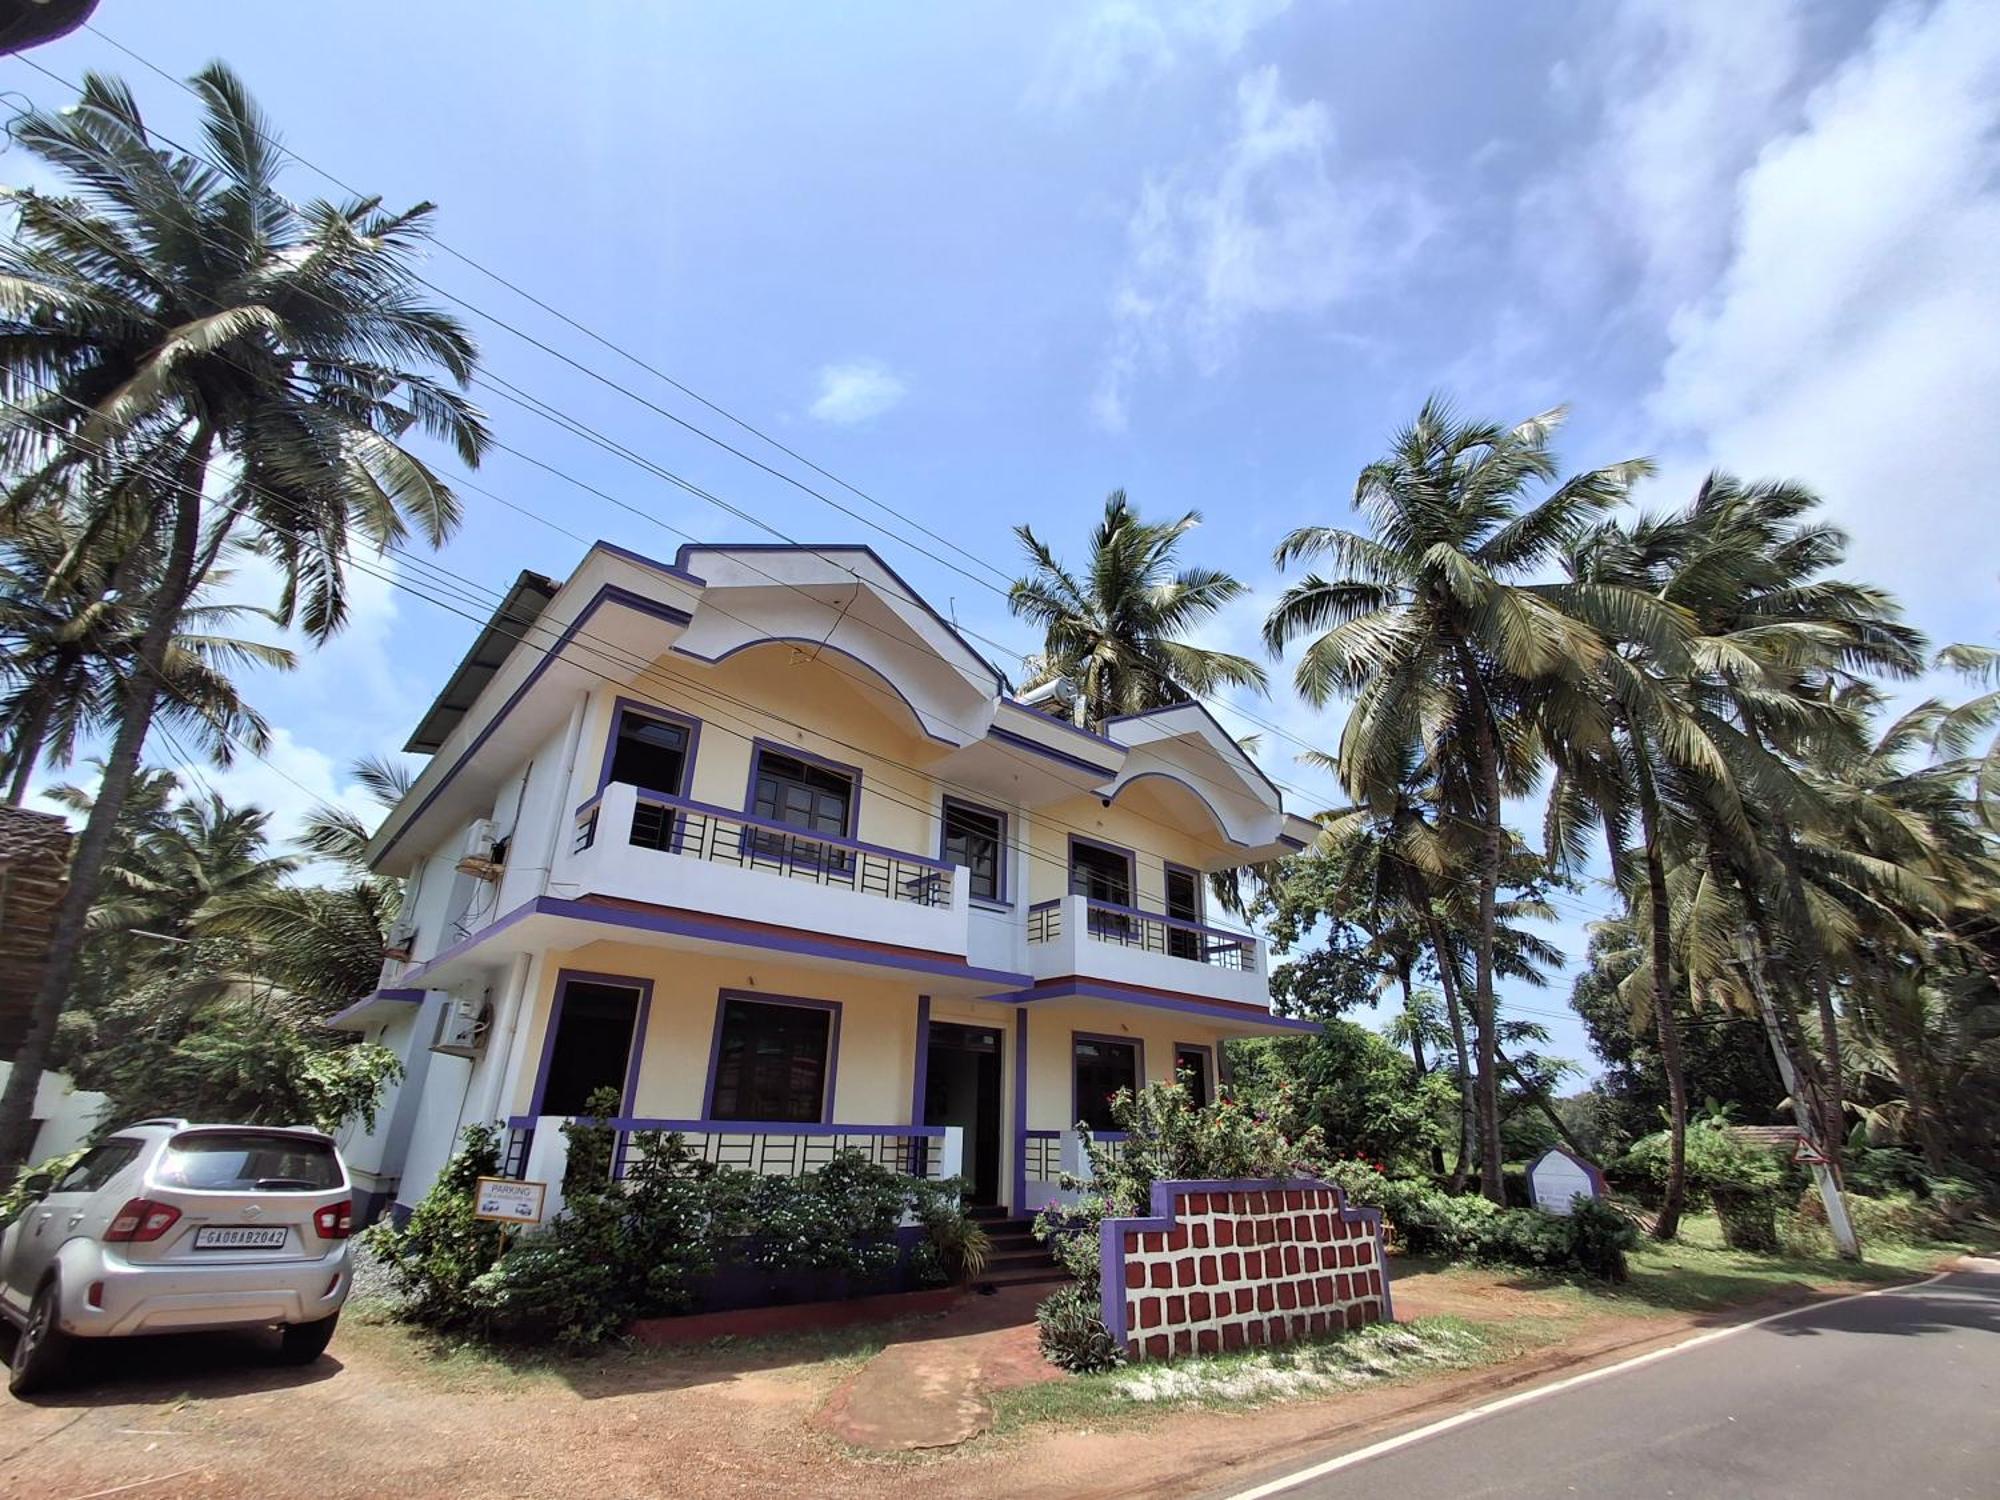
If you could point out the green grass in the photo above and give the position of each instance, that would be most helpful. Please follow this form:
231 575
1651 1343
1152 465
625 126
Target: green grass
1372 1356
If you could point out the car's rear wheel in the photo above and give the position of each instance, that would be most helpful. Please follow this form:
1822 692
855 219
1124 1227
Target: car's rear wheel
42 1352
302 1343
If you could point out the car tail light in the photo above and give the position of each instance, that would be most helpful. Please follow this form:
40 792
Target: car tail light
140 1222
95 1296
335 1221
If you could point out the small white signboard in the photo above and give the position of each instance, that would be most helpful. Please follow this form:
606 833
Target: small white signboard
1556 1180
509 1201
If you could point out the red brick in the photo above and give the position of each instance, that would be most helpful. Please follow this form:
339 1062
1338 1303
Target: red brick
1266 1298
1246 1299
1347 1255
1135 1274
1232 1336
1157 1347
1239 1203
1199 1236
1281 1329
1208 1276
1197 1203
1291 1260
1131 1348
1183 1341
1302 1228
1153 1244
1317 1325
1207 1341
1149 1312
1253 1265
1256 1332
1288 1295
1345 1283
1267 1231
1322 1226
1232 1267
1184 1271
1295 1199
1225 1232
1163 1274
1375 1283
1308 1293
1131 1243
1356 1315
1176 1310
1178 1240
1197 1307
1310 1260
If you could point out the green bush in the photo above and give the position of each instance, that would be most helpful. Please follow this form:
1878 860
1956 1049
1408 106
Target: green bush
1715 1160
1424 1220
434 1259
1071 1331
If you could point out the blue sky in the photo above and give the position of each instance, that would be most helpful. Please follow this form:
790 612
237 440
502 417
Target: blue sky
987 262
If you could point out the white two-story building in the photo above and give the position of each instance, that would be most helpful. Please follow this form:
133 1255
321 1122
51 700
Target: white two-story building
758 840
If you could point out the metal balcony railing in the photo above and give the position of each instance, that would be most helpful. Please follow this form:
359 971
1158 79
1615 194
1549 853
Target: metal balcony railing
770 1148
1151 932
698 830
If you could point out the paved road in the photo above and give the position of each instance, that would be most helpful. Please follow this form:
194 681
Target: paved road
1891 1397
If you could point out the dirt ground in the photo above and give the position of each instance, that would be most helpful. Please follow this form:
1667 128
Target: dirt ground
387 1413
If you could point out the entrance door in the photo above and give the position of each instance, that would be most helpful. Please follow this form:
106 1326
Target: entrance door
1183 904
592 1047
962 1088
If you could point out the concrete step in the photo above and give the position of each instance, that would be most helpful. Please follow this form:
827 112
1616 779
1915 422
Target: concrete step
1048 1273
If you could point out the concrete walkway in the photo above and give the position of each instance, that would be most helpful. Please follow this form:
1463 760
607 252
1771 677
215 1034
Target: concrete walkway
929 1388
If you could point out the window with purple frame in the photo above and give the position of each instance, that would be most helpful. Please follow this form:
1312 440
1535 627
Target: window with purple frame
771 1062
1102 1068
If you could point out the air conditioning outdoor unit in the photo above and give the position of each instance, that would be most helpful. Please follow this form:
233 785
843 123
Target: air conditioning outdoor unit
401 940
476 858
462 1027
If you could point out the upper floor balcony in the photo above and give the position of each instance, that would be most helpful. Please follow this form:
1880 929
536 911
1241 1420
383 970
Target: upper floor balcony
1117 944
676 852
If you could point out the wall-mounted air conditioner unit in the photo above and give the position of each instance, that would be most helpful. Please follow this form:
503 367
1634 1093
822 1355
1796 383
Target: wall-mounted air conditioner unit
402 939
462 1026
476 859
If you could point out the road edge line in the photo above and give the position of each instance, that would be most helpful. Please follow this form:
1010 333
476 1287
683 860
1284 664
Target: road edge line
1535 1393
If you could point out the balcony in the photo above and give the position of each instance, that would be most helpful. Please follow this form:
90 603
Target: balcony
670 851
1075 935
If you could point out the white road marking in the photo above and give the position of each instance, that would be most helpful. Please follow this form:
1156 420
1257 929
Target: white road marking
1522 1398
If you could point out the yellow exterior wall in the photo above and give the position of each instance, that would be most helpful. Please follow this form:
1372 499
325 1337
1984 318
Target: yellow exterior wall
1052 1025
1140 820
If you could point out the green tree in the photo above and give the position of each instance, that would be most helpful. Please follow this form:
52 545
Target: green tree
1432 624
174 332
1114 634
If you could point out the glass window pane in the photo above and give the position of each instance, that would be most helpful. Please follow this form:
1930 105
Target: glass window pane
772 1062
650 754
1102 1068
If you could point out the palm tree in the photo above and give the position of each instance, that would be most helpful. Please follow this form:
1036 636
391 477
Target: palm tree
1114 635
175 332
69 627
1431 626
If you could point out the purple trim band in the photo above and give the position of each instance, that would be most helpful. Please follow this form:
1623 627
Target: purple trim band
1020 1203
920 1069
609 593
1164 1218
1009 737
720 930
799 1002
670 569
747 1127
1214 1009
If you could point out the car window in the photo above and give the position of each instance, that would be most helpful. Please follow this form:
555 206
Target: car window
99 1165
239 1161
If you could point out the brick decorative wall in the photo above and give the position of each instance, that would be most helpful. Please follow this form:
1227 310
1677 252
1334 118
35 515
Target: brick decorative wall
1233 1265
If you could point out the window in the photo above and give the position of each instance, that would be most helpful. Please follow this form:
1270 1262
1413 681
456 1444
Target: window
1184 904
803 794
1103 1066
977 839
592 1047
1191 1069
99 1165
650 753
772 1062
239 1161
1101 874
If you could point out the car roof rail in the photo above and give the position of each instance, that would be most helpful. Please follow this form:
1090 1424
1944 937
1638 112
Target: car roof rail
155 1120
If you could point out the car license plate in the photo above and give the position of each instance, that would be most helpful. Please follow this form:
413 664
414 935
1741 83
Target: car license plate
239 1239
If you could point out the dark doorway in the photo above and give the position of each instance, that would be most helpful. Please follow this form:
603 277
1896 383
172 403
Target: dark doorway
1183 904
592 1048
962 1087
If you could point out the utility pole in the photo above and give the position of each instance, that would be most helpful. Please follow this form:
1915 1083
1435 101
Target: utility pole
1842 1227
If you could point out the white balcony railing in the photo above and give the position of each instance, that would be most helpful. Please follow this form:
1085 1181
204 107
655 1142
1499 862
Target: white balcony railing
1102 940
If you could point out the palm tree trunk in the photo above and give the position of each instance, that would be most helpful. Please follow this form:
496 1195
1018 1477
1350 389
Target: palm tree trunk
135 718
1485 1008
28 749
1455 1013
1665 1024
1417 1059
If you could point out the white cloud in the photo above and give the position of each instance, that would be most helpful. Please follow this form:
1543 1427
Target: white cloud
1850 338
1120 43
855 392
1267 225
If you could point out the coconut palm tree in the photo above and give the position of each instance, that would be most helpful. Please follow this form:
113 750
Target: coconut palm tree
1431 622
1114 634
174 331
70 619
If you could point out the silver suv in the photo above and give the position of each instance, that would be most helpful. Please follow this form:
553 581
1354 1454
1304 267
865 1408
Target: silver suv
168 1227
